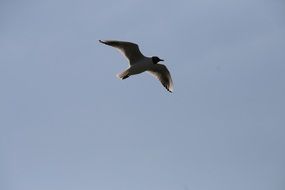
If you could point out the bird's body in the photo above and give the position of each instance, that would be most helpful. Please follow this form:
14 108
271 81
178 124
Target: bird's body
141 66
138 63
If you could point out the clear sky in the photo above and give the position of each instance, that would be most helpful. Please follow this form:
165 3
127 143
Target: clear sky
67 122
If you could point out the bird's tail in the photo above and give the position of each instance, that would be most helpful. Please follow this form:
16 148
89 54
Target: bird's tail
123 75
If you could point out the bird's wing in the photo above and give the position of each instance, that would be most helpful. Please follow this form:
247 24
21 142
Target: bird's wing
161 72
130 50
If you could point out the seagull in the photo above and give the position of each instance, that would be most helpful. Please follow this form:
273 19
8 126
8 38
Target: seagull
139 63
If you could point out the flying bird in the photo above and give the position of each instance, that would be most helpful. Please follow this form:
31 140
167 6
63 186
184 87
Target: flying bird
139 63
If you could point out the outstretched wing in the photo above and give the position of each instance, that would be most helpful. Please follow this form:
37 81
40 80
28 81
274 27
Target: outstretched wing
130 50
161 72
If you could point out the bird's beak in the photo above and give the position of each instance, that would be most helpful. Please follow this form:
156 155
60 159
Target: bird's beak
161 60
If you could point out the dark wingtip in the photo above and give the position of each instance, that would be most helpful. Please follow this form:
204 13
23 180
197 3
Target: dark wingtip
103 42
169 91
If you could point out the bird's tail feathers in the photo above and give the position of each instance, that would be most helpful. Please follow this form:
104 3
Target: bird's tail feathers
123 75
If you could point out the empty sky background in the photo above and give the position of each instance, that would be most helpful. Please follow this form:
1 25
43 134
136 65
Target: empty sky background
67 122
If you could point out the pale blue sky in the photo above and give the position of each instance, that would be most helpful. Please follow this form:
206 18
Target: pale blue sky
68 123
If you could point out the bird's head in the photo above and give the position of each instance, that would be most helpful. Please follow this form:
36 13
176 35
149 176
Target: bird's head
156 59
